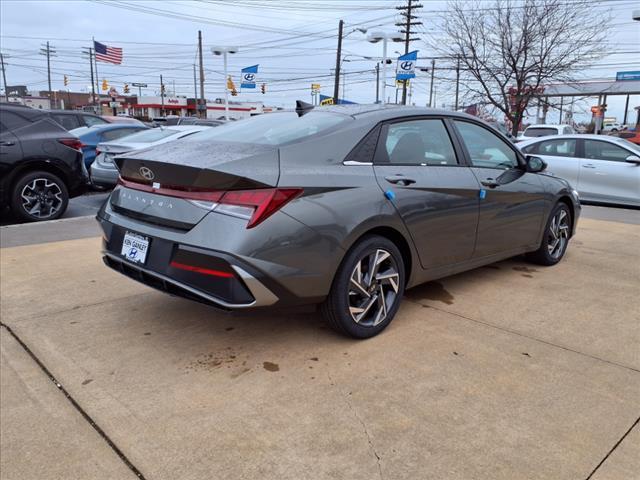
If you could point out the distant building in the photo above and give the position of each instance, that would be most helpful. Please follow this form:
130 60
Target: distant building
39 103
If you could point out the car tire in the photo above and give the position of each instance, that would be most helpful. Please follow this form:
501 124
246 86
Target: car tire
38 196
555 238
360 305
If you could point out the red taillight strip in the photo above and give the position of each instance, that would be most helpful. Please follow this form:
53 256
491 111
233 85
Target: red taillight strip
204 271
210 196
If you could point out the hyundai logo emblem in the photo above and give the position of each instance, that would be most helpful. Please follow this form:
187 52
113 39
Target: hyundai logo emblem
146 173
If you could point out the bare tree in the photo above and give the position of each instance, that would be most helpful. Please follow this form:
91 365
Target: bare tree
510 50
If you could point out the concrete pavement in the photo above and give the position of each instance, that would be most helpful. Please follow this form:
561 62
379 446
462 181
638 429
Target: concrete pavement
511 371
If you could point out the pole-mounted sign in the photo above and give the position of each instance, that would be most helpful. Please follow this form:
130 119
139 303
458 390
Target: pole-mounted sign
249 75
406 67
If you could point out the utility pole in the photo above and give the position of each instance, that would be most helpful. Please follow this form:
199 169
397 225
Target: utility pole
336 83
195 89
201 104
89 51
6 89
161 97
377 82
48 52
409 7
457 83
433 69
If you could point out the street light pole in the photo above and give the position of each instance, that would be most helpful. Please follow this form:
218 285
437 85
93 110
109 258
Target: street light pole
336 82
224 51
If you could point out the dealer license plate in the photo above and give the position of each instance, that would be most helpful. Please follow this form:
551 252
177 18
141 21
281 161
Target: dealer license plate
135 247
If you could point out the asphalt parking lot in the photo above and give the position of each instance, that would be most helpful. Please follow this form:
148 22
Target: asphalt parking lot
510 371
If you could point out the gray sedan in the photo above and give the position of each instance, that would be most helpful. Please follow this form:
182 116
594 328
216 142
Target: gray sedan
104 172
602 169
342 206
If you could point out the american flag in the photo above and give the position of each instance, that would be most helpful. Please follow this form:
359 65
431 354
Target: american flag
107 54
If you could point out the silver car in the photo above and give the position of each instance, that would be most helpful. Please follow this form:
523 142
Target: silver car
104 172
342 206
601 168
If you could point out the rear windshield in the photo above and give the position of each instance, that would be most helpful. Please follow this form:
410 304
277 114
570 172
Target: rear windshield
152 135
272 128
539 132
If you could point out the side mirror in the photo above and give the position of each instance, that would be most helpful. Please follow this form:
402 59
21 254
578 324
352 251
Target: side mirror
633 159
535 164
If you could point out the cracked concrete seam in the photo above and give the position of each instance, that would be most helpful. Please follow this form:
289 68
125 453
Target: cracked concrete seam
372 447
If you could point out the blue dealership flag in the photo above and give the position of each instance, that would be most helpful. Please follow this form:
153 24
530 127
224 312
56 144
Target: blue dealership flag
249 75
406 67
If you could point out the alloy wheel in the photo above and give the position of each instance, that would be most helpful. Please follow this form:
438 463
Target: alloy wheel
558 234
41 198
373 288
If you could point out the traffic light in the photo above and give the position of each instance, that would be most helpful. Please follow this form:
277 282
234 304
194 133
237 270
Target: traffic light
234 92
263 88
66 80
230 85
105 85
126 88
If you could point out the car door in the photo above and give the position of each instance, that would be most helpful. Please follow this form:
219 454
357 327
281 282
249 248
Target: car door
512 201
10 147
561 157
434 192
605 175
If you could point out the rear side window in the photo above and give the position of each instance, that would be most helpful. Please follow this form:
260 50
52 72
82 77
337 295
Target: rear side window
12 121
418 142
486 149
68 122
118 133
558 148
598 150
90 120
539 132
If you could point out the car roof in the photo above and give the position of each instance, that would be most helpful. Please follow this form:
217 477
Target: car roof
379 112
186 128
584 136
550 125
70 112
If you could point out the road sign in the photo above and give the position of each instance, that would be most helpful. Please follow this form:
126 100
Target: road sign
114 104
624 76
315 87
142 85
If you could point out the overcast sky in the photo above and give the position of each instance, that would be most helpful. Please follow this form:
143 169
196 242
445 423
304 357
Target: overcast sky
294 42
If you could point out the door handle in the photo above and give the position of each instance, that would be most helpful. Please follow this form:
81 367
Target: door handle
490 182
589 165
400 180
7 143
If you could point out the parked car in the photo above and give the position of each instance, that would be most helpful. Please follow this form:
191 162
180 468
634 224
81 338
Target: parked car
601 168
342 206
104 172
92 136
125 120
40 164
611 127
200 121
632 136
535 131
71 119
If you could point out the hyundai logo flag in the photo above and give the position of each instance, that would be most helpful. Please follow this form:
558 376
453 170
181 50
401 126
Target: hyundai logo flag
406 67
249 75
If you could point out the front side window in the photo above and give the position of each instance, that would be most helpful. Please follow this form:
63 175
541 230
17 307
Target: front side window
558 148
418 142
485 148
599 150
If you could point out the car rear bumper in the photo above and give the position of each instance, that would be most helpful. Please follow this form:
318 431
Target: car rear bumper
104 177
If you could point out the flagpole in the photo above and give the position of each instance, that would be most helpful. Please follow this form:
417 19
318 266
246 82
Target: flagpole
95 61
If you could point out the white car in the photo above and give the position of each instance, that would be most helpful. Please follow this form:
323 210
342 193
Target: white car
601 168
104 172
610 127
535 131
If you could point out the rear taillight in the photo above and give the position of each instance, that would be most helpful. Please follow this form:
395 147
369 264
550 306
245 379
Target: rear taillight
74 143
98 151
253 205
256 205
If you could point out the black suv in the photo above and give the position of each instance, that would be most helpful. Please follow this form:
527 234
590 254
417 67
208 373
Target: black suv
41 164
